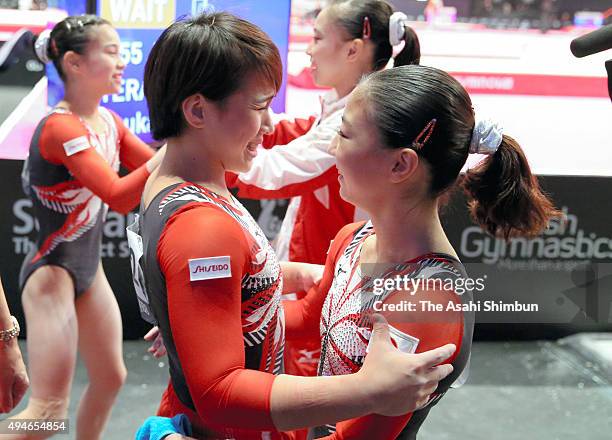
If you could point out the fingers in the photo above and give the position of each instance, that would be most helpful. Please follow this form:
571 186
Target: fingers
151 334
438 373
157 349
380 330
318 273
20 386
6 401
161 352
431 358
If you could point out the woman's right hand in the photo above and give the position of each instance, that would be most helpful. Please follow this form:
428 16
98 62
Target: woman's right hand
14 380
399 383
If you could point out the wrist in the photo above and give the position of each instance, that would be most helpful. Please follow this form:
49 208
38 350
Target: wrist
364 392
10 333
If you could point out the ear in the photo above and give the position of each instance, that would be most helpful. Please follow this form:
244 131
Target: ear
355 48
406 163
193 110
71 62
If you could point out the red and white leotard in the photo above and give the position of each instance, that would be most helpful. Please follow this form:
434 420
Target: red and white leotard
71 177
343 301
214 286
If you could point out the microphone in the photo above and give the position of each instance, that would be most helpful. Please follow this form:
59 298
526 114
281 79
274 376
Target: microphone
593 42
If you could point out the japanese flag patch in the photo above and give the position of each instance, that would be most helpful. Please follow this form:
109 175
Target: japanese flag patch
209 268
75 145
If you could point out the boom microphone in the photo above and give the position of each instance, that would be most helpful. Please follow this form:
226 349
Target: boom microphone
593 42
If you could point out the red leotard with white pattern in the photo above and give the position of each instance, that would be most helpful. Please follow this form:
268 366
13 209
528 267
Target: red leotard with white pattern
342 301
71 177
224 332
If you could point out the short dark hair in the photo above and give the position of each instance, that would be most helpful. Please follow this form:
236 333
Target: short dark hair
211 54
351 14
503 195
71 34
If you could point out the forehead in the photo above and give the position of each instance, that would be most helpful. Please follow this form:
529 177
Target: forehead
325 19
354 112
257 88
103 35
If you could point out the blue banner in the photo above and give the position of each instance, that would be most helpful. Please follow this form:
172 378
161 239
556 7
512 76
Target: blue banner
140 22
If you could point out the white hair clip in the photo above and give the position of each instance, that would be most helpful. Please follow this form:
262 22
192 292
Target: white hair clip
396 28
41 46
486 137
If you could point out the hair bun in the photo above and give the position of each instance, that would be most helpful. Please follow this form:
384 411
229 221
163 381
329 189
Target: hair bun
41 46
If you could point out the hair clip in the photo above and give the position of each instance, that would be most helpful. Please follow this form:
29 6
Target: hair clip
367 29
427 132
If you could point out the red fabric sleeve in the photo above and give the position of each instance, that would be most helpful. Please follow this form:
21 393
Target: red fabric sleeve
205 320
133 152
287 130
302 317
88 167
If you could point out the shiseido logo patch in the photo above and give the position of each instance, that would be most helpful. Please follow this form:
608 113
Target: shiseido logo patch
75 145
209 268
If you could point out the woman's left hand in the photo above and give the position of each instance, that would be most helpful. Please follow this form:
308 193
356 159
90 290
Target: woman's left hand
157 349
298 277
311 275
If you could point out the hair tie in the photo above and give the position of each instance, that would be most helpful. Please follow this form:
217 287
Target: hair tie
486 137
396 28
41 46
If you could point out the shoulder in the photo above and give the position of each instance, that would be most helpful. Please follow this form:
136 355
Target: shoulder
59 123
201 232
350 230
345 235
62 133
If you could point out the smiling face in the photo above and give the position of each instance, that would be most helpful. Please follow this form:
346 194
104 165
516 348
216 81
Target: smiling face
327 50
370 173
363 164
236 126
100 68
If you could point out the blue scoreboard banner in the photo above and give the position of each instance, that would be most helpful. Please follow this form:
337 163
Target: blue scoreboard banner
140 22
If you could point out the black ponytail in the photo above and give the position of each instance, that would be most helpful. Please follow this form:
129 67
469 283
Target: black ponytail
504 196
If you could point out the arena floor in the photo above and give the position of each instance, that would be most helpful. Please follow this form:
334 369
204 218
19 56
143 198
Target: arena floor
516 390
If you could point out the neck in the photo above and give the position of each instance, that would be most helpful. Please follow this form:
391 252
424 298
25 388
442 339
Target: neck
347 84
80 101
407 230
181 162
